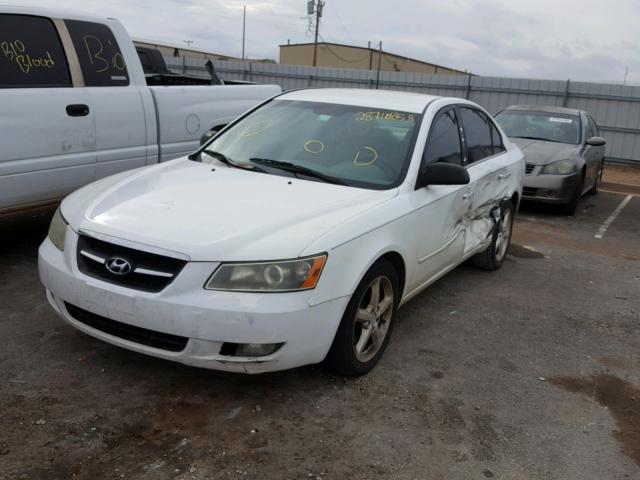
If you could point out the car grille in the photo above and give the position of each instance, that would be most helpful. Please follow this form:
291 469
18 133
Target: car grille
143 336
145 271
528 168
529 192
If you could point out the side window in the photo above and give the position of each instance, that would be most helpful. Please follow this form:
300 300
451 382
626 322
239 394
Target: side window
100 57
444 140
588 130
594 127
31 54
477 134
496 139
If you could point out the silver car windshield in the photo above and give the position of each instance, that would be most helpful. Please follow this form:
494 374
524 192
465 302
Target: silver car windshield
551 127
357 146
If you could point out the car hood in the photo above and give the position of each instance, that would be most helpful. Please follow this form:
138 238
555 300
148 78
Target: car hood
219 214
540 152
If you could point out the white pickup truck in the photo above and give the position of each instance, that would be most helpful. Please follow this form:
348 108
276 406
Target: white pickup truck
75 106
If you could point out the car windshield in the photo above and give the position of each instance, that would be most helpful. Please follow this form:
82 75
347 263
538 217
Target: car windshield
552 127
355 146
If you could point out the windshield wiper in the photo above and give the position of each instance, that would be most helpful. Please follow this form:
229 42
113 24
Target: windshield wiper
537 138
227 161
293 168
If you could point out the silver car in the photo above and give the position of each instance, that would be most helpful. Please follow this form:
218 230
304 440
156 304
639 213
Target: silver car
563 151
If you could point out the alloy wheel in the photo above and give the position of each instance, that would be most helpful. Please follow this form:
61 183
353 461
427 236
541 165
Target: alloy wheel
373 318
504 234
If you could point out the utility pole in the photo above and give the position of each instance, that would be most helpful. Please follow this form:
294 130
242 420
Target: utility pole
370 55
244 27
188 42
379 60
626 73
316 7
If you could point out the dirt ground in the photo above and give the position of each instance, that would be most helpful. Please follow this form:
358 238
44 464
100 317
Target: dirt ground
622 176
531 372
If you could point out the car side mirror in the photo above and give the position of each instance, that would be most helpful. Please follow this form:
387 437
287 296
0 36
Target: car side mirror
440 173
596 141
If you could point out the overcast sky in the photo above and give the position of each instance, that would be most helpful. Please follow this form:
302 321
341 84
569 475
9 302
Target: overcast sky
590 40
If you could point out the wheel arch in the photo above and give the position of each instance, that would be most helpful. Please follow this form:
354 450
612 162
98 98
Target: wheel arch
338 284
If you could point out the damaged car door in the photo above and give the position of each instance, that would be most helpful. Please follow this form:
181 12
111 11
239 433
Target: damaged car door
488 170
442 209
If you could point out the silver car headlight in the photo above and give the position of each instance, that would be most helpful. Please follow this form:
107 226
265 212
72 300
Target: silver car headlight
280 276
563 167
58 230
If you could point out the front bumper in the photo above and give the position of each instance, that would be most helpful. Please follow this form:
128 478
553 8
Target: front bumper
207 318
549 188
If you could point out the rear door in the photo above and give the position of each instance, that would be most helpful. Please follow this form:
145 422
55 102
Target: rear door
441 210
121 136
487 164
47 130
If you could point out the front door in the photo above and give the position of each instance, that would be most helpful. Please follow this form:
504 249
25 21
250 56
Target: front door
47 130
441 211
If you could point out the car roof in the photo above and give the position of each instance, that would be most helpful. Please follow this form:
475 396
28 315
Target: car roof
383 99
54 13
546 109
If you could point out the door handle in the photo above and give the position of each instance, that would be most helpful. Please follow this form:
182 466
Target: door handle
504 176
467 196
77 110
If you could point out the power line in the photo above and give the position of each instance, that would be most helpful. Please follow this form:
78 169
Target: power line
340 57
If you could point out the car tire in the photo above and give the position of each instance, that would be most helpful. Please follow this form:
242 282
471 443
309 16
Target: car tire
596 185
493 257
367 323
571 207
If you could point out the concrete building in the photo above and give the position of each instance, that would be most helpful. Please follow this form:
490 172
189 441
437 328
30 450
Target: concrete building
335 55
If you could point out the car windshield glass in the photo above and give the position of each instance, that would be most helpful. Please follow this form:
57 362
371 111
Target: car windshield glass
343 144
552 127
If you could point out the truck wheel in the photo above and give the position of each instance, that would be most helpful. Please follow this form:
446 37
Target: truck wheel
493 257
367 323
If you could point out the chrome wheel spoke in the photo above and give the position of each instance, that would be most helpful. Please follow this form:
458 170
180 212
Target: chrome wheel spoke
365 335
375 293
385 305
377 337
364 316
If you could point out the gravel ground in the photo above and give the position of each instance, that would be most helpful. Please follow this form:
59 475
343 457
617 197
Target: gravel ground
531 372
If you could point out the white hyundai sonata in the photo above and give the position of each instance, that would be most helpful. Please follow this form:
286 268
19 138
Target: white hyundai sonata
292 236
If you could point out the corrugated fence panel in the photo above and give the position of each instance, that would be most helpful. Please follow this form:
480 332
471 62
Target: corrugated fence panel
616 108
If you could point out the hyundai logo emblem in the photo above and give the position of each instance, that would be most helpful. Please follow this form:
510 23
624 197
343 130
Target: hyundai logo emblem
118 266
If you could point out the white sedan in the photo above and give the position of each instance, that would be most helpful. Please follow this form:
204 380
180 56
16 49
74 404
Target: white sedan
291 237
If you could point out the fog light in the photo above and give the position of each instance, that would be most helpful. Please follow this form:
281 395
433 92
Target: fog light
249 349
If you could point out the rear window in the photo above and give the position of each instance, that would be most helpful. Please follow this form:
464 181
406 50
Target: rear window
31 53
100 57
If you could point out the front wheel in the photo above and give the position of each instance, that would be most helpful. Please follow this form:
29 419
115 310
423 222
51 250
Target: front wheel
596 185
367 322
493 257
571 207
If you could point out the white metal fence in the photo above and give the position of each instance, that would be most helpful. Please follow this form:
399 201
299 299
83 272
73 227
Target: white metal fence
616 108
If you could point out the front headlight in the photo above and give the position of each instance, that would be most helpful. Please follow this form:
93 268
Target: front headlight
281 276
563 167
58 230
